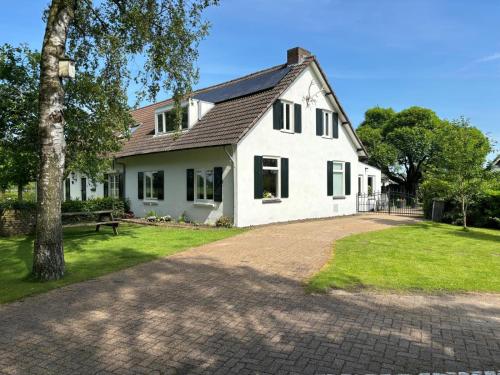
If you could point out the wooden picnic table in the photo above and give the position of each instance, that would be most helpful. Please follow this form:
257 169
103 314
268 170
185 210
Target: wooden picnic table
104 217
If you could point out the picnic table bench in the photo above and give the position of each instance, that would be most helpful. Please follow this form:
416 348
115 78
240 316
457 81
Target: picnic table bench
104 217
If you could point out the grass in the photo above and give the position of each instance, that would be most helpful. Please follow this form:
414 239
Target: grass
425 257
89 254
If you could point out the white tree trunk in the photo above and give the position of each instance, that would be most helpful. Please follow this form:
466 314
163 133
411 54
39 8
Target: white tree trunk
48 259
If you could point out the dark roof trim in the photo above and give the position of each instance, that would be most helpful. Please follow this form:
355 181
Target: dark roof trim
332 93
169 151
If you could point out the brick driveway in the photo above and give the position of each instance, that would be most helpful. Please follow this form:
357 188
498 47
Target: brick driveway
238 306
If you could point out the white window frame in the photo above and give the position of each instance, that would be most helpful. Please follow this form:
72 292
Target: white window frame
278 176
361 185
341 172
291 116
114 185
327 123
151 197
162 113
203 173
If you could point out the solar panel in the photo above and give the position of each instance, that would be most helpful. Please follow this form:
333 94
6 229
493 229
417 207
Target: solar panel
245 87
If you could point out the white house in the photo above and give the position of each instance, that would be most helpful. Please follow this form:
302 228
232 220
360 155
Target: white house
273 146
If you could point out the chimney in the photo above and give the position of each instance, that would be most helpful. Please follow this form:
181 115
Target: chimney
296 55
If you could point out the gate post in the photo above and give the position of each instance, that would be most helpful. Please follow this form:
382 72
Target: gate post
389 199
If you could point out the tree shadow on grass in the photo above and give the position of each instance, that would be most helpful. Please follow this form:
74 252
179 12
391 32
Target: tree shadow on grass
192 314
478 235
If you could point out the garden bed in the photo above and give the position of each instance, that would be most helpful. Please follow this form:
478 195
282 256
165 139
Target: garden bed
173 224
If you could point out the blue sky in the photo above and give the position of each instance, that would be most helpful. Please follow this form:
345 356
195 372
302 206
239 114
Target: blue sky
440 54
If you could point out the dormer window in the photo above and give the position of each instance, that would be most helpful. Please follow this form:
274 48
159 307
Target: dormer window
166 121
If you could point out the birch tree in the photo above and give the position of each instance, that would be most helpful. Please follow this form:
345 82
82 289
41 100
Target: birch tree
159 38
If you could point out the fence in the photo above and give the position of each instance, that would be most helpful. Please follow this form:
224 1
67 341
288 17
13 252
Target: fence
392 203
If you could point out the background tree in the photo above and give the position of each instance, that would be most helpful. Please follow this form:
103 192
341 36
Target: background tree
19 72
90 135
458 164
400 143
103 38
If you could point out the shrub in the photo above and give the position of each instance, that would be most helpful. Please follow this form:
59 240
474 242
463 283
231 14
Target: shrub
224 222
97 204
14 204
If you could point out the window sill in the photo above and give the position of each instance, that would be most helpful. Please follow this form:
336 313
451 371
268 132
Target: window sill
204 204
339 197
326 137
287 131
150 203
271 200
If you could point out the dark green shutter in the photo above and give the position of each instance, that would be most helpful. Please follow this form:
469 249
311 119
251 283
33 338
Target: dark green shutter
297 118
284 177
83 188
335 121
140 185
258 183
329 178
278 115
190 184
347 178
68 189
218 184
121 185
319 121
158 184
105 185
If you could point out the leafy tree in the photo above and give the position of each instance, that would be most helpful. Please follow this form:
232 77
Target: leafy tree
104 38
400 143
19 71
458 164
90 135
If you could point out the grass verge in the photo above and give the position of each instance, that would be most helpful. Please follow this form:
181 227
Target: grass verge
426 257
89 254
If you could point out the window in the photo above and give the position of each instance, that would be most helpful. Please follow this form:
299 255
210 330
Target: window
370 185
270 177
166 121
287 116
338 179
205 185
150 187
114 185
327 123
159 120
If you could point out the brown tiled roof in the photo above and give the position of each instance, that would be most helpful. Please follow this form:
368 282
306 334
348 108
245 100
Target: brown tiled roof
226 123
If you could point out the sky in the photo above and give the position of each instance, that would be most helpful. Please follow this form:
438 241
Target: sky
439 54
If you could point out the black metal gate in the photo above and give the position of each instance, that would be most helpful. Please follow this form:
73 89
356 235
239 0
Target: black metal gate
392 203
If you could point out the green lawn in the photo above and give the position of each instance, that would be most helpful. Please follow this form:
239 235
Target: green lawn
425 257
89 254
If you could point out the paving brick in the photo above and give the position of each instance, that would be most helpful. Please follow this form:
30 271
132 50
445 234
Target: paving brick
238 306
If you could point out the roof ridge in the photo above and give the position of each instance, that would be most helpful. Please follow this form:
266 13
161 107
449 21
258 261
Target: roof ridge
218 85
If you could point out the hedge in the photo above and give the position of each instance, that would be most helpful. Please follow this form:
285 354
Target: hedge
485 212
119 206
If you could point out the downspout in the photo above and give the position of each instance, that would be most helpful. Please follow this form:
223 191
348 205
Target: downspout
235 183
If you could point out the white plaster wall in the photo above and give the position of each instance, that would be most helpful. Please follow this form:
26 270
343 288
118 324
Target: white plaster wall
75 187
366 170
308 155
174 165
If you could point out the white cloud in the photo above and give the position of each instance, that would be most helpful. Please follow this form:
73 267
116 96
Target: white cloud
495 56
